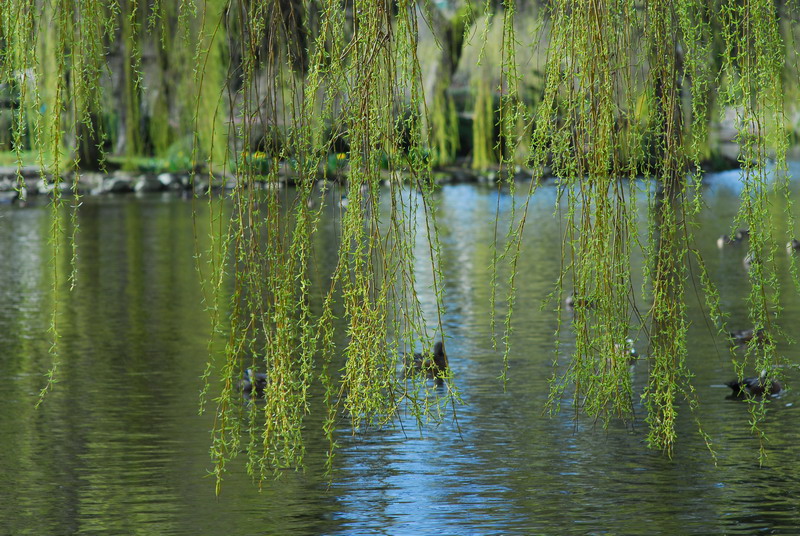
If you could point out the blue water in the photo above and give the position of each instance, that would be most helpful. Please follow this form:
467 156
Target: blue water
119 448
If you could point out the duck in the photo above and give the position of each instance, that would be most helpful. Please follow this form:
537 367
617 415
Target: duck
253 383
432 366
725 240
628 349
744 336
739 236
793 245
754 386
572 301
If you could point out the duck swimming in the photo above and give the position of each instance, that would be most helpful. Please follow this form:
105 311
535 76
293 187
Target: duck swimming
754 386
743 336
629 350
748 261
623 353
725 240
572 301
432 366
253 383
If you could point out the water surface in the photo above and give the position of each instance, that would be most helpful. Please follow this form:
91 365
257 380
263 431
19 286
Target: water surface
119 447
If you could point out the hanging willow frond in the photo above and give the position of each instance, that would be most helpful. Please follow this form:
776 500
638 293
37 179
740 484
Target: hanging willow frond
280 88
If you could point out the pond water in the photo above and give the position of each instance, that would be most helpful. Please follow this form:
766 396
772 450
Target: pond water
118 447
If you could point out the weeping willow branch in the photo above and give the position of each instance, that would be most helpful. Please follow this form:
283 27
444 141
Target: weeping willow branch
578 130
284 88
753 63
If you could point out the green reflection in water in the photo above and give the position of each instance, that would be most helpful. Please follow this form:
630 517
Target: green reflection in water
119 447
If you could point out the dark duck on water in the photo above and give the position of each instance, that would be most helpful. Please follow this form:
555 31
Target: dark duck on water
253 383
430 365
738 237
749 387
572 302
744 336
